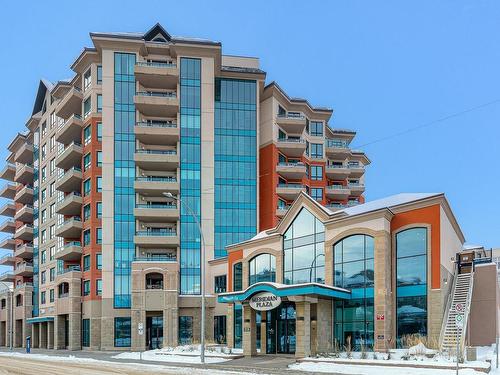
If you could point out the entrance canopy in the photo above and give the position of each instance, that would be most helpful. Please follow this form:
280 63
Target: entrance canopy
40 319
284 290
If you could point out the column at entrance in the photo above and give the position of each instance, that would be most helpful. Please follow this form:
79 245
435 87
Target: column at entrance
303 329
249 331
263 332
383 298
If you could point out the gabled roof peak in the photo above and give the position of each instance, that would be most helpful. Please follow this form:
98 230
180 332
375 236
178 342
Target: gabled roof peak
157 34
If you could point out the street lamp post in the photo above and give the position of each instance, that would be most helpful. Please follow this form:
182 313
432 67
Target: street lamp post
10 295
202 281
313 263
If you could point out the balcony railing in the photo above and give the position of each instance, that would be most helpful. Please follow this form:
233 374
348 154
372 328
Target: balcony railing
157 152
291 140
157 64
291 186
284 164
157 232
157 205
336 143
157 258
293 115
69 269
169 94
72 243
157 124
337 187
156 179
67 221
23 285
74 115
74 143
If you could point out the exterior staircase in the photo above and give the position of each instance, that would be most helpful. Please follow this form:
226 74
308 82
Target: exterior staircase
461 294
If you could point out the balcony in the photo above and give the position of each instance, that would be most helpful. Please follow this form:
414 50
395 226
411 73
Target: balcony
282 210
156 185
7 276
339 192
8 191
336 206
25 214
71 251
291 147
357 170
8 172
157 237
24 269
157 160
157 212
24 233
7 260
157 132
70 228
71 205
33 121
71 130
171 258
289 191
292 171
356 188
70 104
337 148
8 226
70 181
157 75
25 154
24 195
8 243
157 104
24 251
337 172
292 123
8 209
24 174
70 157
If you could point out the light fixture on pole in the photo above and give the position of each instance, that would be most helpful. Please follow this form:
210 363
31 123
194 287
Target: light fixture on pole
202 281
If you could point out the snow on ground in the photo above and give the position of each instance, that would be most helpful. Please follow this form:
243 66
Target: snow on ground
183 354
124 365
374 370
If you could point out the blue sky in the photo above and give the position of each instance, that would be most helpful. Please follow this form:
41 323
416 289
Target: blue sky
383 66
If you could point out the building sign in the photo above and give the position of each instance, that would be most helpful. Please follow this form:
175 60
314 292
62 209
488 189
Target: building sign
380 317
264 301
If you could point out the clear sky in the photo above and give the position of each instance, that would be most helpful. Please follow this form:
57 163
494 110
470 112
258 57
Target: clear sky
384 66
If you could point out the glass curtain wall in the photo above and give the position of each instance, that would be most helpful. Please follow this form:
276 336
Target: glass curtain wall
411 288
190 163
262 268
304 250
124 195
235 162
354 270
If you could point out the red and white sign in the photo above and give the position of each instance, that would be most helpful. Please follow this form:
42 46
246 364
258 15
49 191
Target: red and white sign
380 317
459 307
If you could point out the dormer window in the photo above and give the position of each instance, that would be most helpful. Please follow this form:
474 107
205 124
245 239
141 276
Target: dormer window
159 39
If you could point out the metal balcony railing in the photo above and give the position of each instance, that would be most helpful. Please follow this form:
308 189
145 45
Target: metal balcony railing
157 179
169 94
157 124
156 64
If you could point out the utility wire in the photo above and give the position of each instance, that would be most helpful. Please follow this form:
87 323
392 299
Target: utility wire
430 123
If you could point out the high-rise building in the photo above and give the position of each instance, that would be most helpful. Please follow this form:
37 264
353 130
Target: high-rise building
118 165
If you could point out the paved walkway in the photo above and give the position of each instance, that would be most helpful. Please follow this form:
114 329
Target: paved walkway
266 364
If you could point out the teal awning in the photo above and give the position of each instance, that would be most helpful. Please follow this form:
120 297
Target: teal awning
283 290
40 319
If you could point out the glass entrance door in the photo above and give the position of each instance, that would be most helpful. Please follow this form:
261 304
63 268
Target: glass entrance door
154 332
281 336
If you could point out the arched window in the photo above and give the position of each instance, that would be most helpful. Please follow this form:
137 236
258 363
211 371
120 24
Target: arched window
354 270
237 277
262 268
154 280
411 283
304 250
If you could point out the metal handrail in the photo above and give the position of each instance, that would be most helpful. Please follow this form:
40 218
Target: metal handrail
163 258
337 187
167 233
72 243
156 124
336 143
157 64
292 115
448 306
159 205
159 152
291 186
157 178
169 94
291 140
288 164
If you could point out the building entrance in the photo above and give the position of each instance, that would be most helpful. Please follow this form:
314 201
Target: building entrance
280 328
154 332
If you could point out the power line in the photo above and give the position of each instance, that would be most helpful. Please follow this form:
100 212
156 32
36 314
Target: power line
430 123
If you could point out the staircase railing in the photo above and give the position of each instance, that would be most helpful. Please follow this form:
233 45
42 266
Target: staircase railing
467 311
448 306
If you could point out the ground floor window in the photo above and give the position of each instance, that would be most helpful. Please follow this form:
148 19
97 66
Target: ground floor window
86 332
238 326
411 317
354 323
122 332
220 329
185 330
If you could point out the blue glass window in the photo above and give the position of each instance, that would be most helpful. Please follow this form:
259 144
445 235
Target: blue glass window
237 277
185 330
238 326
304 250
86 332
122 332
262 268
316 172
316 128
411 289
